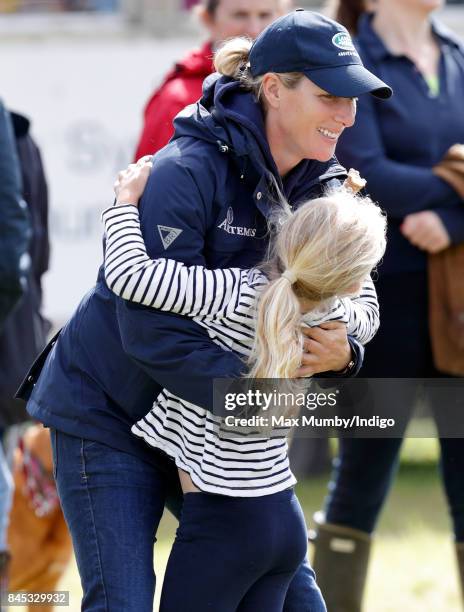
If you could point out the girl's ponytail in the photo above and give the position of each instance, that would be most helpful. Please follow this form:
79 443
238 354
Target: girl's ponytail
278 341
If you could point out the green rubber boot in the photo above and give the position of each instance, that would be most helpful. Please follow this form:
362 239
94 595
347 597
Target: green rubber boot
341 557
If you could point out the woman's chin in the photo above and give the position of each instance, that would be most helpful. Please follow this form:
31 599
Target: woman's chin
324 155
324 149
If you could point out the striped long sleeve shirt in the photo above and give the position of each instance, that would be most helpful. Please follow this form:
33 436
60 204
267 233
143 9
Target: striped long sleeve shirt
223 302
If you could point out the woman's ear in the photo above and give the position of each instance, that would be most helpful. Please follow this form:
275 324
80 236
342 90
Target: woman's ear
272 90
205 17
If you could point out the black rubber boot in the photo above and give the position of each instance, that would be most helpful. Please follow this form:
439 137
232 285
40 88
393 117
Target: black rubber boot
341 557
4 563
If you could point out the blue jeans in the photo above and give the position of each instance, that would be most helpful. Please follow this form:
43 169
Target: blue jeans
113 502
6 497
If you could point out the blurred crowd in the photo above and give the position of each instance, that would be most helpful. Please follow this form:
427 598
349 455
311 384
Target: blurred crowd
407 150
57 6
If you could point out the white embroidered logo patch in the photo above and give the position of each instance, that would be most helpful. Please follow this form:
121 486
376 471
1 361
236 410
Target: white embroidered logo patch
342 40
227 226
168 234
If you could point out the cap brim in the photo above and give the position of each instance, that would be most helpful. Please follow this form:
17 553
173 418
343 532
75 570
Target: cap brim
349 81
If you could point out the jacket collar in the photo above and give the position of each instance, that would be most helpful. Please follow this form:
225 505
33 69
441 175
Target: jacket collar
244 117
20 123
445 35
370 40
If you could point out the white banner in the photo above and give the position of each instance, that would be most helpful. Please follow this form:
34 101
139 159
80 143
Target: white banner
85 98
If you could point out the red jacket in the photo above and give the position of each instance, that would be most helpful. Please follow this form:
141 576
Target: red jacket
181 87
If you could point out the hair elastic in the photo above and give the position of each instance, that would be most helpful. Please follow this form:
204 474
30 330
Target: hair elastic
290 276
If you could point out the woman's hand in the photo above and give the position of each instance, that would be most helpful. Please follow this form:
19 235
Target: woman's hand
426 231
326 348
131 182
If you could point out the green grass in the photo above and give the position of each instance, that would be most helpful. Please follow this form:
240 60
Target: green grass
412 567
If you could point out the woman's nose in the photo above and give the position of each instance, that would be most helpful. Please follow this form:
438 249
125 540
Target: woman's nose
346 112
253 27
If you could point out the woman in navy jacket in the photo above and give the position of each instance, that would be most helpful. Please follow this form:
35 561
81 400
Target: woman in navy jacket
207 202
395 147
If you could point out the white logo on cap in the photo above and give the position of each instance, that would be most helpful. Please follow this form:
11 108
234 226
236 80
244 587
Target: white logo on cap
342 40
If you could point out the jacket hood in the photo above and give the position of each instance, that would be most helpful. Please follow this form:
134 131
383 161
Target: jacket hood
227 115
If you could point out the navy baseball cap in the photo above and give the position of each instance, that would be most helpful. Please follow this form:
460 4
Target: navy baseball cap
304 41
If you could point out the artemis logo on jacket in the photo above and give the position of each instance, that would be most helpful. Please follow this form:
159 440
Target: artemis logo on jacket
227 226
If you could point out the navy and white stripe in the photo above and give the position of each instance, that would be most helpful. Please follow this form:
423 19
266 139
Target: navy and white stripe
223 302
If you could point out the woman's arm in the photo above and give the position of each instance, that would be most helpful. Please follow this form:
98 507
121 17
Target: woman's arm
167 284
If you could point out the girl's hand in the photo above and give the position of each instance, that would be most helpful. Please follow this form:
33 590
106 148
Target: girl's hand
131 182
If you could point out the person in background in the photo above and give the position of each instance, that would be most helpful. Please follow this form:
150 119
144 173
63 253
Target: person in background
222 19
14 222
38 540
401 149
14 239
25 331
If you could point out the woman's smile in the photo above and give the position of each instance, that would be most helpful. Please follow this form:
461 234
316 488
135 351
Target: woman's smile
331 135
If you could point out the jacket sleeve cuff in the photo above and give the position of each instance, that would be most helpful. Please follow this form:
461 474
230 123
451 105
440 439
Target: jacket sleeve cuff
357 358
453 220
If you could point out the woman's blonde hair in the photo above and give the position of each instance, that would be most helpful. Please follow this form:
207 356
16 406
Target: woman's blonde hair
322 250
232 60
